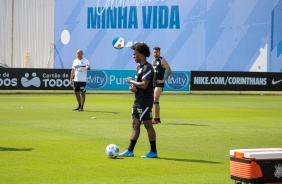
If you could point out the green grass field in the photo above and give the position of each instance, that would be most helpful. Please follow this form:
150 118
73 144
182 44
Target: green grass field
43 141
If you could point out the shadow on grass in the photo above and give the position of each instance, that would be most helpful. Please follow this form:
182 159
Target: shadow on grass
102 112
190 160
15 149
186 124
117 158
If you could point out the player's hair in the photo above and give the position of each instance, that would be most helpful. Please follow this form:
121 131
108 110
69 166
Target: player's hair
79 50
142 48
157 48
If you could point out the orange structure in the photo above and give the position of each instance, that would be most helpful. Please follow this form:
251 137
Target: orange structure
262 165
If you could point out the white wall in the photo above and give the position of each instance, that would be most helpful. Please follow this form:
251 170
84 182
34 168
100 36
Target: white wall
27 31
5 31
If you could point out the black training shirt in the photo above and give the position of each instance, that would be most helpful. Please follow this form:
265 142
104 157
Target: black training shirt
144 97
158 70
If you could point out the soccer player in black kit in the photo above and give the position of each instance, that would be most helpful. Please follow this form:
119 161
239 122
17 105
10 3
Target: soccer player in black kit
160 65
142 86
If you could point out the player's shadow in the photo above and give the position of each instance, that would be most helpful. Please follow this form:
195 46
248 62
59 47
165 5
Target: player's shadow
185 124
118 158
15 149
106 112
190 160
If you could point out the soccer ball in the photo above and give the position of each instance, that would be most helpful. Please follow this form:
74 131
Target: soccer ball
112 151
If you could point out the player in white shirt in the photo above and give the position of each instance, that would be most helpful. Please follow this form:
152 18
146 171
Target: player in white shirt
78 78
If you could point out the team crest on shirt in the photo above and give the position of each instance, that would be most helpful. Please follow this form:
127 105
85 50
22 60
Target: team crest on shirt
158 63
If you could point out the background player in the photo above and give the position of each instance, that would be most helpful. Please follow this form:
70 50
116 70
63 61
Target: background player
160 65
78 78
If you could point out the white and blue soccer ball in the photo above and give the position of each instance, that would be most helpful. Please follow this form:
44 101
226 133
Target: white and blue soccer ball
112 151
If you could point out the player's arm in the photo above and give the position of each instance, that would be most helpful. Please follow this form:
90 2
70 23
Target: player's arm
71 76
168 70
142 85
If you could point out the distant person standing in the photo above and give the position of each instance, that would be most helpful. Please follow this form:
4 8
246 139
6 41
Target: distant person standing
78 78
160 65
142 86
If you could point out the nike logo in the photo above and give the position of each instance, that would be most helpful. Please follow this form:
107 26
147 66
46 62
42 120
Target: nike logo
275 82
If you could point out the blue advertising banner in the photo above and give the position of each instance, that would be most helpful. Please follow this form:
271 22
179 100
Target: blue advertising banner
116 80
58 79
108 79
178 81
203 35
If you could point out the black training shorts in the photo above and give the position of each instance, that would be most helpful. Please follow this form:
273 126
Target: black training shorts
142 113
79 86
159 85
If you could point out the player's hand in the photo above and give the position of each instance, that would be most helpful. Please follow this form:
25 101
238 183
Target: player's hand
88 67
133 88
71 84
160 81
128 80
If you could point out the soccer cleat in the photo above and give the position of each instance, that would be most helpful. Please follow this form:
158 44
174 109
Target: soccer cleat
150 155
76 109
80 109
155 122
126 153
